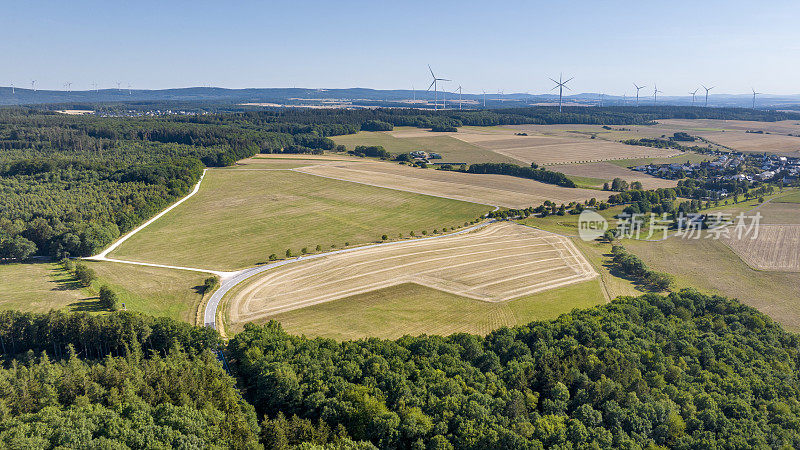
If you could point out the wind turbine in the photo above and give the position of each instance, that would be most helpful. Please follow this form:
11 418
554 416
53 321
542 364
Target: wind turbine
560 85
459 96
638 88
707 89
655 94
33 85
754 97
129 89
624 99
435 87
484 98
118 89
693 95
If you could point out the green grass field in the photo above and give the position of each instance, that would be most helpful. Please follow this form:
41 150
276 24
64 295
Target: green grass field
239 218
40 287
710 266
413 309
793 197
451 149
152 290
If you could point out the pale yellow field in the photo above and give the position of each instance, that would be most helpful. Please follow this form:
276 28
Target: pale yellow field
780 127
732 133
608 171
777 247
496 263
497 190
547 146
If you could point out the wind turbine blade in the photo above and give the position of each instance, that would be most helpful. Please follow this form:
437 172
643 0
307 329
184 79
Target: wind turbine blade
566 87
444 79
554 81
429 68
569 80
432 82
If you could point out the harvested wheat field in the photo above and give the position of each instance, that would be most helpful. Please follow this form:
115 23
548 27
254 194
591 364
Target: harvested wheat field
733 133
777 248
496 190
546 150
607 171
498 262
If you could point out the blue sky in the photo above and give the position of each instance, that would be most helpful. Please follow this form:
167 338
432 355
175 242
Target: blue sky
513 46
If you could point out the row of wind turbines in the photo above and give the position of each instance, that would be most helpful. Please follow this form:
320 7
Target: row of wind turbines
68 87
561 84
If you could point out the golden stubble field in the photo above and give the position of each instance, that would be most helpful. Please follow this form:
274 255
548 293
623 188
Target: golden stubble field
496 263
496 190
546 149
733 133
777 247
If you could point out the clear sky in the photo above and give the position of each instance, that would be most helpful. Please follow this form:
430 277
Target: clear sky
491 45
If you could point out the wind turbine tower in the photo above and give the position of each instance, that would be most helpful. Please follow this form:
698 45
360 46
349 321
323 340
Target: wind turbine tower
754 97
638 88
484 98
655 94
560 84
33 85
707 89
459 96
434 84
694 93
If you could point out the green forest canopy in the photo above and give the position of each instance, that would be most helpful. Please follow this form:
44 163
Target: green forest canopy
684 370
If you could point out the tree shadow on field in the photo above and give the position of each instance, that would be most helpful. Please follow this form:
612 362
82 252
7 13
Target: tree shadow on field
199 289
63 280
91 304
614 271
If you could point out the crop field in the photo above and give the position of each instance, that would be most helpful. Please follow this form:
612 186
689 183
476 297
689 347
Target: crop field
775 139
777 247
605 172
404 140
780 127
496 263
238 218
412 309
546 149
499 190
712 267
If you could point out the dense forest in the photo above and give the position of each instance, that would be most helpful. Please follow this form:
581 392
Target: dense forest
684 370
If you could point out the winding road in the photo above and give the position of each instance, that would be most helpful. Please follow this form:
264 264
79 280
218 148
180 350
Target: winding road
231 279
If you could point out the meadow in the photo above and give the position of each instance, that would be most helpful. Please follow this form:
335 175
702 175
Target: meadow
239 218
412 309
40 287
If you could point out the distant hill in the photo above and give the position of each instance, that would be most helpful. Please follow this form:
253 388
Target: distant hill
361 97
